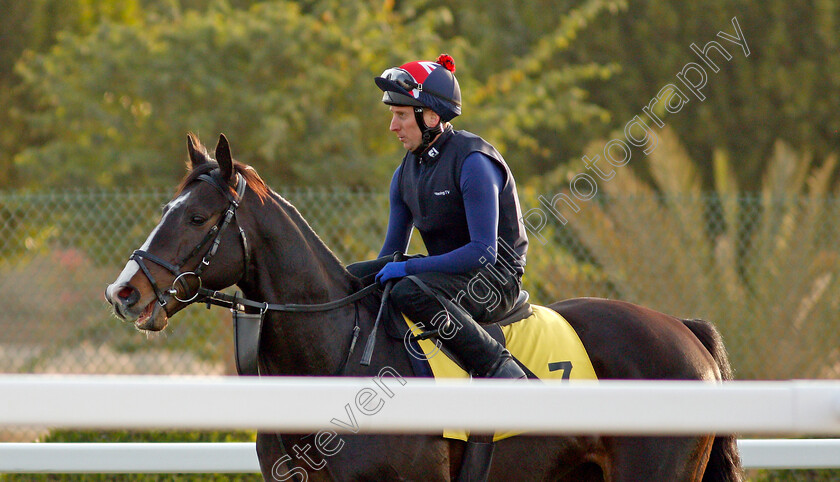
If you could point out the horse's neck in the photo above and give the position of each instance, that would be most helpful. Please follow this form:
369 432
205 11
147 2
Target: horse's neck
293 265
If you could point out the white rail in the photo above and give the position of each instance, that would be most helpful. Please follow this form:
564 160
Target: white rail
385 404
133 458
790 454
229 458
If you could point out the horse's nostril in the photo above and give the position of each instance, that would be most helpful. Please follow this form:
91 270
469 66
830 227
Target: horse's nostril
128 295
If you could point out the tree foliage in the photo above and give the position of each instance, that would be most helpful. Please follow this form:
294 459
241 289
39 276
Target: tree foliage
786 89
34 26
114 86
291 82
115 105
523 94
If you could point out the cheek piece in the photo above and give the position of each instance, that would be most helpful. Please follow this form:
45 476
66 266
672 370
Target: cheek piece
429 133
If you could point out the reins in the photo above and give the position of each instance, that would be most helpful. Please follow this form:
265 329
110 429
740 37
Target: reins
249 329
217 298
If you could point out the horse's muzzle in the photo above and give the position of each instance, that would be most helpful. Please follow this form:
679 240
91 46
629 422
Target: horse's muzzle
122 298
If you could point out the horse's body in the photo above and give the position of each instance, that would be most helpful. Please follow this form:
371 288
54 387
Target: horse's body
284 261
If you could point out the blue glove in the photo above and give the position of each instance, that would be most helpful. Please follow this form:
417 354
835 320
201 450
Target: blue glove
394 269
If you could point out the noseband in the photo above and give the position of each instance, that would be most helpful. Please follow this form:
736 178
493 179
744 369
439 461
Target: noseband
215 234
249 359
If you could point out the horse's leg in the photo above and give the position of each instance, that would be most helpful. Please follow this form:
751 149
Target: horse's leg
392 457
269 452
277 464
658 458
355 458
456 457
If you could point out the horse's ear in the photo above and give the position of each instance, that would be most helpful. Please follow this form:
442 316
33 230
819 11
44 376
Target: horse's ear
224 158
197 156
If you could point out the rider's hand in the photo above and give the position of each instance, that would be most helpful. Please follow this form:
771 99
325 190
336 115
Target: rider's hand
394 269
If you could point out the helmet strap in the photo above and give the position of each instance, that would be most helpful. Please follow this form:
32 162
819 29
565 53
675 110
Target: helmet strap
429 133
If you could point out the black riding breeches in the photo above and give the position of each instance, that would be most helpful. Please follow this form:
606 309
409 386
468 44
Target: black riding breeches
485 293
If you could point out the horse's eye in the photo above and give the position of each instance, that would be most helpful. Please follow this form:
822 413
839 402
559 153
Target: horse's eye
197 220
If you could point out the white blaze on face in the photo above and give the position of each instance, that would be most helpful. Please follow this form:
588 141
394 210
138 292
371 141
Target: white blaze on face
132 267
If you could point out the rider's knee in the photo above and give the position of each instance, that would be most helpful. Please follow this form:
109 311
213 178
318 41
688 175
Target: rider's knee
405 294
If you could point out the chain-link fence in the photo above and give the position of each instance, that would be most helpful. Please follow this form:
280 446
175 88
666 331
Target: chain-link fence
764 270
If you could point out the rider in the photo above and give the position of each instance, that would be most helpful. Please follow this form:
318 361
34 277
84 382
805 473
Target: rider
457 190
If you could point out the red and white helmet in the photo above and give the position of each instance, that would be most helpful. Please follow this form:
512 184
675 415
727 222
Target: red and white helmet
423 84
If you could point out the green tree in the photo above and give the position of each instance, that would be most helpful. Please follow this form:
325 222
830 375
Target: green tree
292 90
786 89
520 90
33 26
291 84
540 79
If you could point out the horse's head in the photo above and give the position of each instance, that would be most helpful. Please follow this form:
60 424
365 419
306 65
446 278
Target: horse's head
197 242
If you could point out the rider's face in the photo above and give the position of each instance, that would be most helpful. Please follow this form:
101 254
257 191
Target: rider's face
404 125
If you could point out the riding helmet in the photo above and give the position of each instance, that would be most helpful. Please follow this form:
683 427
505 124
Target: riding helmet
423 84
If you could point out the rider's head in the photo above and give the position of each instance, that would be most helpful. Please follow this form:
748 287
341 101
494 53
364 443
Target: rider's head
424 85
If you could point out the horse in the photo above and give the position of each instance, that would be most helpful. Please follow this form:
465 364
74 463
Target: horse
276 259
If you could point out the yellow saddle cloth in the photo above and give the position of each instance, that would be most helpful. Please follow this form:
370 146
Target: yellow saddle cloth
544 342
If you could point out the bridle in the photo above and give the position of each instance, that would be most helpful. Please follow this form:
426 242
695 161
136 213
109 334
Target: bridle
215 297
234 302
140 256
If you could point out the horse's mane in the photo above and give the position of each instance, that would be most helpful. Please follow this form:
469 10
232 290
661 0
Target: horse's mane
312 238
263 192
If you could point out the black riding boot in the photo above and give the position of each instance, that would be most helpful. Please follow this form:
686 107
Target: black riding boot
475 348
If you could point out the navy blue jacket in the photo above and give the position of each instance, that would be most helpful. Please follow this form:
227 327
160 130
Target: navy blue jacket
462 198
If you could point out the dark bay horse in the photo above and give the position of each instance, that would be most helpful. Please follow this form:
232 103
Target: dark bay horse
225 227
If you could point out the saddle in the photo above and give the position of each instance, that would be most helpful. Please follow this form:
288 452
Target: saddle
520 310
539 338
